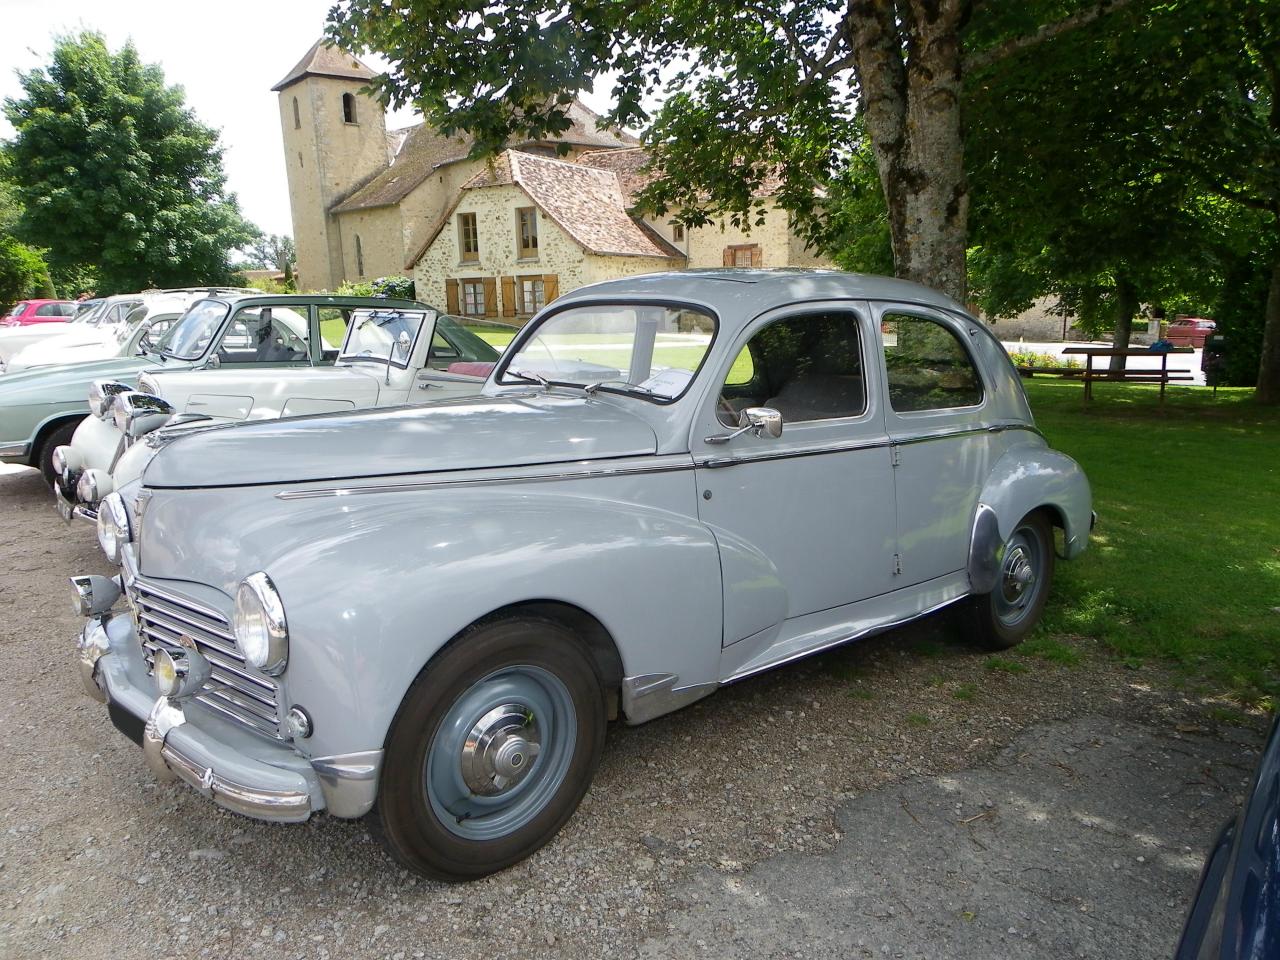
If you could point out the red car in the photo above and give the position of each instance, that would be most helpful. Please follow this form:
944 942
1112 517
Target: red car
1190 331
38 311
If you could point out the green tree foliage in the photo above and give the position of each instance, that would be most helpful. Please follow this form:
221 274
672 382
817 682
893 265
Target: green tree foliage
113 171
23 272
273 251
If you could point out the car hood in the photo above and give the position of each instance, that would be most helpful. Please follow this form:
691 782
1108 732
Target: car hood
475 433
58 350
232 393
14 339
67 381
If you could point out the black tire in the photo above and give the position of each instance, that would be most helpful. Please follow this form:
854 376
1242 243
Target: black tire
59 437
404 818
1005 617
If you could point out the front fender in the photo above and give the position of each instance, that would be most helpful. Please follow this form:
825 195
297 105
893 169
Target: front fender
1027 478
374 585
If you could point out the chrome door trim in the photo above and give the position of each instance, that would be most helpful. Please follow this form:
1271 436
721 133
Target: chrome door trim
668 464
942 433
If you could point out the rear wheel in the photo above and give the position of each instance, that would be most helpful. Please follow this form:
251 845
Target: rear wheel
492 750
1004 617
60 436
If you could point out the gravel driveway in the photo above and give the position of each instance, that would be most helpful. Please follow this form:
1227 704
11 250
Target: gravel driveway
903 797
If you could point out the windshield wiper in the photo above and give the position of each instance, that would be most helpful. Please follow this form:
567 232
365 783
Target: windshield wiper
531 377
626 389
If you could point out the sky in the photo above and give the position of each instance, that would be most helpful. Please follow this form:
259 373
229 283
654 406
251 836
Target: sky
226 56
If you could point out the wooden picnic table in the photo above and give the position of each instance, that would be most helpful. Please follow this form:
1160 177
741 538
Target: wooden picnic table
1163 376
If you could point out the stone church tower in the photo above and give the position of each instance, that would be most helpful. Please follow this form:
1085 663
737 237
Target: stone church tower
334 137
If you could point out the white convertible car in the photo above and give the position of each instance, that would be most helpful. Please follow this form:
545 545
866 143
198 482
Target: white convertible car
389 356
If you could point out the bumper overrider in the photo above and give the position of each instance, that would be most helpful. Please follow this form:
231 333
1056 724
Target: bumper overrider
182 740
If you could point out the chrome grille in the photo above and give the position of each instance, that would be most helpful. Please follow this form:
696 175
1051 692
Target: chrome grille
233 690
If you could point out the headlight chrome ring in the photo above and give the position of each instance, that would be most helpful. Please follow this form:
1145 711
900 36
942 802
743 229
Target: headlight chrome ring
113 526
260 625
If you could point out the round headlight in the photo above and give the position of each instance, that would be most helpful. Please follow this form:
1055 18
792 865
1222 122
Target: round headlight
113 526
93 485
260 625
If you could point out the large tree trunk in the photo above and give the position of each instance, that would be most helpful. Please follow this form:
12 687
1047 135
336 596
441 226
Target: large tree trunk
1268 391
1126 307
911 106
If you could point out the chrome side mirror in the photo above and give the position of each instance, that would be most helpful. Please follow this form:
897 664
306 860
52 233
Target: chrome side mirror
758 421
403 342
761 421
213 363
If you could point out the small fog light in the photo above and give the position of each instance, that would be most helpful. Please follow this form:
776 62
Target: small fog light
94 595
180 673
165 672
297 724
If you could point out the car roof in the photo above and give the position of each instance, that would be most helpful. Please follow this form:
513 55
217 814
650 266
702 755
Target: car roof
320 299
761 290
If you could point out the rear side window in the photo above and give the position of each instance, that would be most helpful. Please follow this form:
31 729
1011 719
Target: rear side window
52 310
928 367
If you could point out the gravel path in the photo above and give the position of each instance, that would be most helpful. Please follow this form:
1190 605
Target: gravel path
765 788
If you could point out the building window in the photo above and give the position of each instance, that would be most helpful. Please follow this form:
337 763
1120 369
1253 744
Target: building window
348 108
743 255
300 163
359 257
468 237
527 232
677 233
473 298
297 117
532 294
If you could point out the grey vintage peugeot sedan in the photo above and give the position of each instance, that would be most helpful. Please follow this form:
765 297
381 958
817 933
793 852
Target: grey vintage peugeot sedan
670 482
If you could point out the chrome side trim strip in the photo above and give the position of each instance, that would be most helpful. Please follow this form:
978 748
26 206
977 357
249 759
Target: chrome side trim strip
856 635
14 449
651 695
668 465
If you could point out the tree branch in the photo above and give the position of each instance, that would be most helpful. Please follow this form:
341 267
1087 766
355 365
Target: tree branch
985 58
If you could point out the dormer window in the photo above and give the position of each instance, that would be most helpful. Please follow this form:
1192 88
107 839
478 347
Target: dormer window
297 117
348 108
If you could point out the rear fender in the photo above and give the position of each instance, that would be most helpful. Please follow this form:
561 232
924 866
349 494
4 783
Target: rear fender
1025 479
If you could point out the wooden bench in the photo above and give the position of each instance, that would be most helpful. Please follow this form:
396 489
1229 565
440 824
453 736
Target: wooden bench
1164 376
1057 371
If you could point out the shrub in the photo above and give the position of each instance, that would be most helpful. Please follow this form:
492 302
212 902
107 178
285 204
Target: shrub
1025 358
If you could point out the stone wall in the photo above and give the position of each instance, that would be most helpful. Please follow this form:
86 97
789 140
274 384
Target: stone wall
380 251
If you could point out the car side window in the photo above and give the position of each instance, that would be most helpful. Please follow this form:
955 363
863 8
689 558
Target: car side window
333 330
807 367
50 310
928 367
263 335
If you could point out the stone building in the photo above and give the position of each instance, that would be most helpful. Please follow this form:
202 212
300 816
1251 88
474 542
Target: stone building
497 236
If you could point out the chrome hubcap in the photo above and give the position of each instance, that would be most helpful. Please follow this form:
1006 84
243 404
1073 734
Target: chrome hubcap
501 752
1019 576
500 749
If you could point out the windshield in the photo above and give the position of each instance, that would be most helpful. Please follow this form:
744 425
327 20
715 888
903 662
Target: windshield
373 332
190 337
649 350
17 308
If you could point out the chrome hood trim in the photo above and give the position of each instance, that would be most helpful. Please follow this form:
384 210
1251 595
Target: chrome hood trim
475 433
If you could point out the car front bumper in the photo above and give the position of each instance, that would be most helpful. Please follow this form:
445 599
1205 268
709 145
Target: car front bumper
237 769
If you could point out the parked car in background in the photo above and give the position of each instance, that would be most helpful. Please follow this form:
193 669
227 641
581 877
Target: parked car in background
26 312
1235 914
390 356
41 408
1190 331
14 340
669 483
118 331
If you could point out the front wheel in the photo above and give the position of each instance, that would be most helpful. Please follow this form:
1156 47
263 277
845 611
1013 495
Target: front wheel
492 750
58 437
1004 617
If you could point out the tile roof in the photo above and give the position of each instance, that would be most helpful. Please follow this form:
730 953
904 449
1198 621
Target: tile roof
586 203
423 150
629 165
326 60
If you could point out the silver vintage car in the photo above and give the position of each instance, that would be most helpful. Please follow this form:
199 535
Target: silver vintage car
669 482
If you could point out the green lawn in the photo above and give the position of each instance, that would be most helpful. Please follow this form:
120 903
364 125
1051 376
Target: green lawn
1184 565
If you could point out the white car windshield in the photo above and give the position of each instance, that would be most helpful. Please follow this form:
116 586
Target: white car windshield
651 351
190 337
374 332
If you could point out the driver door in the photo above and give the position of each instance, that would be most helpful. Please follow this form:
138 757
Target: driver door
805 521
